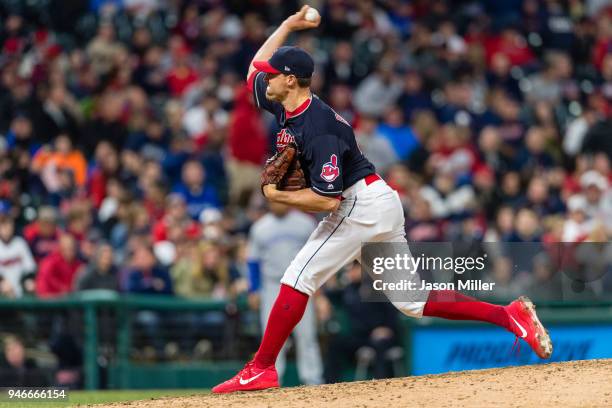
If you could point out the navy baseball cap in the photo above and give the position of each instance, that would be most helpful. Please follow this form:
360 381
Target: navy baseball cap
289 61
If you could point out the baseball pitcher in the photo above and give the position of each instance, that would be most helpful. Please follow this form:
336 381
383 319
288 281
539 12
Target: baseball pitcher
318 167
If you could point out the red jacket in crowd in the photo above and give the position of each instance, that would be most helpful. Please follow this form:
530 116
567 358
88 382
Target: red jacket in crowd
246 134
56 275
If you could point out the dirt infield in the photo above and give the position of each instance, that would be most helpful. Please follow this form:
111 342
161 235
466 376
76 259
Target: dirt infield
571 384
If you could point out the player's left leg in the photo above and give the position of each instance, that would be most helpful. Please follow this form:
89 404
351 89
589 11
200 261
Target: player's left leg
519 317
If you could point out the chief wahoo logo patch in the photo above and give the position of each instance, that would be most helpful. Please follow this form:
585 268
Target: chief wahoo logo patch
330 170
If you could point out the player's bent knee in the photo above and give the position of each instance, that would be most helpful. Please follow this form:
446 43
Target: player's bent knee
300 283
410 309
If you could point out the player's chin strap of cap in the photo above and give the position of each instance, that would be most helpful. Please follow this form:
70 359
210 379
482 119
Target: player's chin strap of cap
369 179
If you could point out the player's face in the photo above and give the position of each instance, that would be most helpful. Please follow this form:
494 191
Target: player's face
277 89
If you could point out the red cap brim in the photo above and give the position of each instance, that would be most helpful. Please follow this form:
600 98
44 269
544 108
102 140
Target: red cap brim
264 66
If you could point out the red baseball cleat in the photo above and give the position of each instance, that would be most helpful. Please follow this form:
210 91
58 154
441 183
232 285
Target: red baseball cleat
250 378
525 324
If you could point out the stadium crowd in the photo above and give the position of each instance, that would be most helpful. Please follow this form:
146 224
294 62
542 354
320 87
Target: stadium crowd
130 147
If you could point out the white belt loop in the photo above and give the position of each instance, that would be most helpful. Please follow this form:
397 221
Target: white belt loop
352 190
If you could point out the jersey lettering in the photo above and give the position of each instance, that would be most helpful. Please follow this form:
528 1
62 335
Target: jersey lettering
283 138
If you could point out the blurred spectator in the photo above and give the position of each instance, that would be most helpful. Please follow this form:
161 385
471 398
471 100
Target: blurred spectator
511 191
201 120
540 200
53 116
176 215
414 96
43 234
399 135
106 123
499 76
145 275
374 146
152 142
198 195
533 156
598 197
343 67
68 353
527 227
57 271
371 324
113 196
446 199
503 227
547 85
492 152
100 273
20 134
578 226
511 43
78 223
132 221
62 157
576 131
453 152
181 76
248 146
501 273
545 282
421 226
17 265
201 270
16 368
596 139
103 49
187 276
106 167
377 92
154 200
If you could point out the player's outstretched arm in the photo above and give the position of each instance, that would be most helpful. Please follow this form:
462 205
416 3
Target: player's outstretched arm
305 199
295 22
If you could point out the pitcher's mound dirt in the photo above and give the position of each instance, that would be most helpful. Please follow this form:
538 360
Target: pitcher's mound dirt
570 384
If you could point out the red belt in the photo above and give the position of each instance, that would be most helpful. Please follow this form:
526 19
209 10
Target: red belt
369 179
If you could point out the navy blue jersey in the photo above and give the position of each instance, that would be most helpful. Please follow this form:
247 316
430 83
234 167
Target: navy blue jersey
328 151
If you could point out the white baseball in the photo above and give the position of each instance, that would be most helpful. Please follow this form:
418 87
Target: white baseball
311 14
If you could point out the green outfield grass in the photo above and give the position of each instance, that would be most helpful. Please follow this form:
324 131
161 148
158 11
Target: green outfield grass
100 397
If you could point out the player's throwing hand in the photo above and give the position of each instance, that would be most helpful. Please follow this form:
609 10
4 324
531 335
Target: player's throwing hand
297 21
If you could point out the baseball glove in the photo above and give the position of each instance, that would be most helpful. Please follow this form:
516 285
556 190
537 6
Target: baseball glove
284 170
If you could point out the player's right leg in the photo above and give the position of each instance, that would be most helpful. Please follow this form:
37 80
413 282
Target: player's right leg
335 242
269 293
